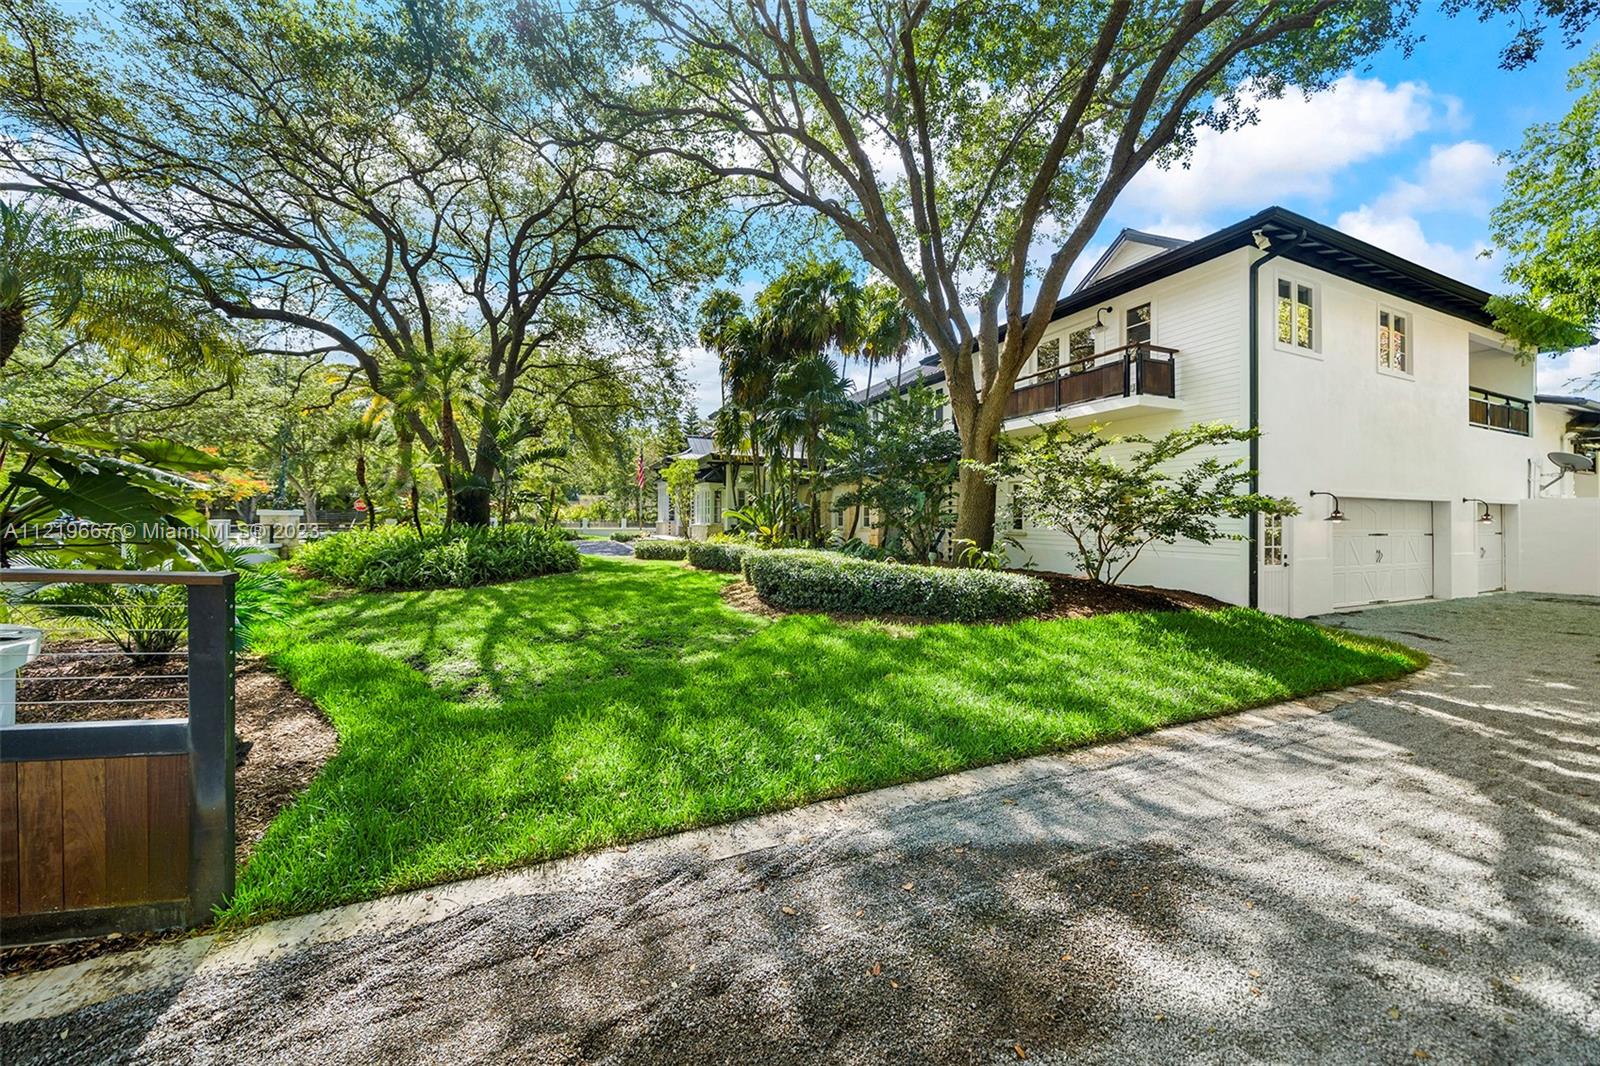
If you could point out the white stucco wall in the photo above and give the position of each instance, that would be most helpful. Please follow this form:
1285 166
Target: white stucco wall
1559 547
1333 421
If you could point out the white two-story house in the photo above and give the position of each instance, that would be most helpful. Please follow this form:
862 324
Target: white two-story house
1395 416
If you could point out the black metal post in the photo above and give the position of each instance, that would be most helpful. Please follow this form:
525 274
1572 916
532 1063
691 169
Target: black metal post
211 751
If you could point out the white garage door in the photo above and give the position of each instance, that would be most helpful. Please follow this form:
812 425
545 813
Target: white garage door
1491 551
1382 552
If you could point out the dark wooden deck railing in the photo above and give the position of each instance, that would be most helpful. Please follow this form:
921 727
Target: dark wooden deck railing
1132 370
1495 410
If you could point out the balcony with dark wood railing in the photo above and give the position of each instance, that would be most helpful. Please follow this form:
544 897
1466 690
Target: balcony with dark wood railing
1496 410
1134 370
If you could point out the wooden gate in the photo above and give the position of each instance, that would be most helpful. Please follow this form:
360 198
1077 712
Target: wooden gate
125 825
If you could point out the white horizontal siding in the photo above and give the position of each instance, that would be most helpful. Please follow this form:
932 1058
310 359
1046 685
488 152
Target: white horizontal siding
1203 313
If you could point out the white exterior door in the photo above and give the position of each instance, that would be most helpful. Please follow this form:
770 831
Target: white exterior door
1383 552
1273 575
1491 552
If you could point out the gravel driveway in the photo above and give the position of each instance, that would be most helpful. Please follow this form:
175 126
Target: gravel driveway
1412 876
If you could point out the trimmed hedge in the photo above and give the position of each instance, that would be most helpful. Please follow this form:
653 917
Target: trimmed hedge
725 556
623 536
652 548
395 557
828 581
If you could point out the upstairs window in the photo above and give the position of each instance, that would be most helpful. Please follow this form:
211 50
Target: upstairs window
1080 350
1138 325
1048 357
1297 315
1394 341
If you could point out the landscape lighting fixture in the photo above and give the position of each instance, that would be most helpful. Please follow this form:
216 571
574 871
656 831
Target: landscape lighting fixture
1486 518
1334 515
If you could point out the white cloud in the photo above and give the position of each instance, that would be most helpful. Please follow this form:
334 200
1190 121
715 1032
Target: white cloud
1456 179
702 378
1295 149
1575 371
1403 235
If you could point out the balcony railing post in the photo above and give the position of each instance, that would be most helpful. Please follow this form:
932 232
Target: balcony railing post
211 748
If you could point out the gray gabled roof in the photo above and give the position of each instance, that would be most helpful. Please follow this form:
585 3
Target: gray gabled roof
1128 236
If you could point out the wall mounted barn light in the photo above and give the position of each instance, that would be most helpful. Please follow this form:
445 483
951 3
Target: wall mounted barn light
1486 518
1101 326
1335 515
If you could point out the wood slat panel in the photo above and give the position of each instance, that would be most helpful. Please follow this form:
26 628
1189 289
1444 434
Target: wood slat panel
83 821
127 829
8 839
169 827
39 886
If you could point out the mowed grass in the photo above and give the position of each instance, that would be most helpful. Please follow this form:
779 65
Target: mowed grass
488 727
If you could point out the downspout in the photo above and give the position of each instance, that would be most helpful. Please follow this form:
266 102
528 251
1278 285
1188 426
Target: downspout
1273 250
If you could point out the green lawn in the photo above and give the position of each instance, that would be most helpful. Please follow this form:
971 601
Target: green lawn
484 728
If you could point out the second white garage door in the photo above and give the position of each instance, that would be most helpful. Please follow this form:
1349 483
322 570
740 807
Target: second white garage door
1382 552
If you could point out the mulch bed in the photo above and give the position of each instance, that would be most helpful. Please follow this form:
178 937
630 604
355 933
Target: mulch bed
1070 596
283 739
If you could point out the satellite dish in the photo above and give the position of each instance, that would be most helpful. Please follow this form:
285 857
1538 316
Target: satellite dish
1573 462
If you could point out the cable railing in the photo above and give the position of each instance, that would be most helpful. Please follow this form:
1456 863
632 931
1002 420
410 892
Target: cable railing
116 749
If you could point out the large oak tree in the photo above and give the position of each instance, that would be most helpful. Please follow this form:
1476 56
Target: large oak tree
355 181
970 151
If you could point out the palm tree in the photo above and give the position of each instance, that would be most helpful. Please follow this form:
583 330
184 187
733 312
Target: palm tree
440 384
112 285
887 329
810 394
814 306
361 434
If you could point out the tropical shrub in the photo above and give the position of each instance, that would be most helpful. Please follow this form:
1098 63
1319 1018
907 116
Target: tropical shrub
1115 496
767 519
142 620
724 556
396 557
816 580
658 548
624 536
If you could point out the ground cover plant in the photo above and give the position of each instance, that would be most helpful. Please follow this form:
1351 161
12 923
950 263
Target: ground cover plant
397 557
483 728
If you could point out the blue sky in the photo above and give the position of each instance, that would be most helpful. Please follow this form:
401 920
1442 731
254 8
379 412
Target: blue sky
1402 153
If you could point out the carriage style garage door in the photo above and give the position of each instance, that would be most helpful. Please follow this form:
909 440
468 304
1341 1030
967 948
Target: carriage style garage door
1383 551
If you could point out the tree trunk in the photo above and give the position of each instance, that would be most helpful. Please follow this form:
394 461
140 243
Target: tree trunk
366 497
975 506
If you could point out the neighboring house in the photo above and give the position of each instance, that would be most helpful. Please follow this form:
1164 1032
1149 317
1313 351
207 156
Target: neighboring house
1370 377
721 483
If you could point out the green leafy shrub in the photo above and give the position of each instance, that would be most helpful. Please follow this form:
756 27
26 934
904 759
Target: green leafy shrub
724 556
395 557
816 580
142 620
623 536
652 548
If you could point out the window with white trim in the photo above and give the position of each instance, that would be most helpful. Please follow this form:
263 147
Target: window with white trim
1394 341
1272 540
1140 323
1048 357
1297 314
1080 350
1017 517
